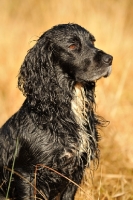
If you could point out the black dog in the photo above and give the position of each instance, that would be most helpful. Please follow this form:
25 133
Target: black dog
54 136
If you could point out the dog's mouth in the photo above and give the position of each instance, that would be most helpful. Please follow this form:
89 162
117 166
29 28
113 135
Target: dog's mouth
94 77
105 74
108 72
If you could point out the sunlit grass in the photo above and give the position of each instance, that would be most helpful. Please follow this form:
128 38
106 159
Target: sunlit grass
111 23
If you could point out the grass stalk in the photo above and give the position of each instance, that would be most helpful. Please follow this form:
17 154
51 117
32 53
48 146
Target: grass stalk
12 170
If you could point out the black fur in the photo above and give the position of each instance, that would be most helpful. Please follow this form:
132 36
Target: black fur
45 131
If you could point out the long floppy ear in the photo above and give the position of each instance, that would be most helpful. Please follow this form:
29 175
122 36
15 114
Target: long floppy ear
35 71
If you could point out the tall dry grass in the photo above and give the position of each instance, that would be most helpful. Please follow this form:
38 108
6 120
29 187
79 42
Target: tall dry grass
111 22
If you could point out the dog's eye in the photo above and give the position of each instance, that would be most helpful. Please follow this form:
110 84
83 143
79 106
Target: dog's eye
72 46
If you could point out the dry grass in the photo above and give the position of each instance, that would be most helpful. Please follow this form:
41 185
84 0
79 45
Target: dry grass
111 22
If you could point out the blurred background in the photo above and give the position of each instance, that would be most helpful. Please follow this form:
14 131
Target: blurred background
22 22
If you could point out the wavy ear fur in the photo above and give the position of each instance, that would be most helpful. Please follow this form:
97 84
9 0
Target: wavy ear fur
33 74
47 90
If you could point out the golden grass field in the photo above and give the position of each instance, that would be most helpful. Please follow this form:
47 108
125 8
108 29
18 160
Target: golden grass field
21 22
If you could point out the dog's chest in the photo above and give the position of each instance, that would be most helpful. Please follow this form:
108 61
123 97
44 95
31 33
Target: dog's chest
80 110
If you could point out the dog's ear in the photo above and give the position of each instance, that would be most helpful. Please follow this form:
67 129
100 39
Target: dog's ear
35 71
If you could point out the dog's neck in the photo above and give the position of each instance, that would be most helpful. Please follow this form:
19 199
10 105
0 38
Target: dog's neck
78 103
82 109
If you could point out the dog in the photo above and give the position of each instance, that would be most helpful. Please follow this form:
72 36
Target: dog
46 145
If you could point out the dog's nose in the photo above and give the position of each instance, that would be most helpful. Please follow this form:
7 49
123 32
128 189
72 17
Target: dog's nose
107 59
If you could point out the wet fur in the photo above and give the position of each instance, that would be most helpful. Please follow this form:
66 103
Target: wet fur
56 125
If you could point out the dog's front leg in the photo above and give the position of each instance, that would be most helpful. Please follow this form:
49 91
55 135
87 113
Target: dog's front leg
24 186
71 189
69 192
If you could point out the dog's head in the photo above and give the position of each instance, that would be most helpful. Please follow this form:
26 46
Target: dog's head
65 49
74 49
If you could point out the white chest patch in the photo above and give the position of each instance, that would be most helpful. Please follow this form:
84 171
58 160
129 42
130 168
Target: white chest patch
80 107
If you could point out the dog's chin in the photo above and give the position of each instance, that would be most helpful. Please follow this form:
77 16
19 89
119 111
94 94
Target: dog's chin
94 78
104 74
108 72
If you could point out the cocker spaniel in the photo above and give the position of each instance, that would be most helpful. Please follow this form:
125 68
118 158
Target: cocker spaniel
46 145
